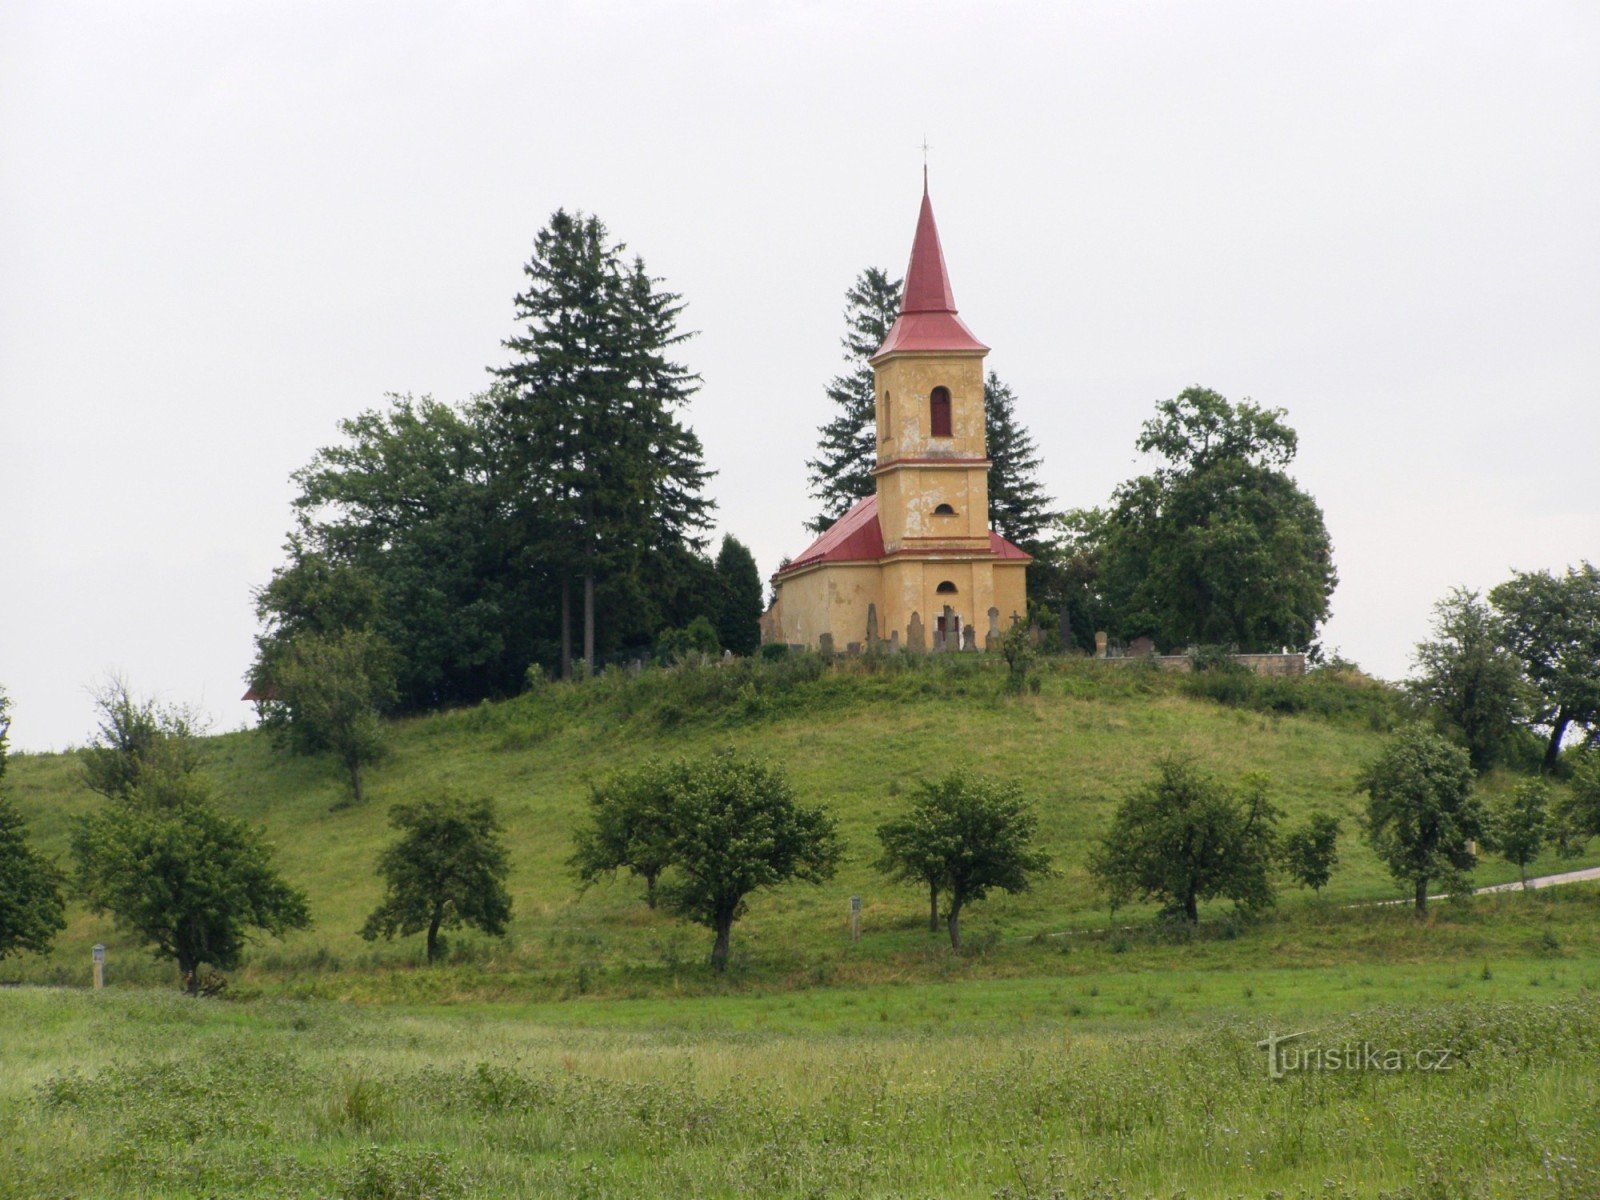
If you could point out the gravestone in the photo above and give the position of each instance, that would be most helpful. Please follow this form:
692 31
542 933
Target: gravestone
948 639
872 627
991 640
894 640
914 634
969 638
825 645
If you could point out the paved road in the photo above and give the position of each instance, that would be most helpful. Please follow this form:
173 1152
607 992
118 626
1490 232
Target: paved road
1583 876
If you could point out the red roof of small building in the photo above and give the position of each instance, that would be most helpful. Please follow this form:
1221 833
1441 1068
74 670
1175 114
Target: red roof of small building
927 319
857 537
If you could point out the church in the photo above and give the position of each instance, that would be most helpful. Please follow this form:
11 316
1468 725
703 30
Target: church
915 565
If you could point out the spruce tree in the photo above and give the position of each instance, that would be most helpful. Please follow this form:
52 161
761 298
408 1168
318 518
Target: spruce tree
738 619
841 473
599 471
1019 509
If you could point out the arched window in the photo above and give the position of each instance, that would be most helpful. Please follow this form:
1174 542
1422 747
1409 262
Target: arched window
944 510
939 411
888 418
946 588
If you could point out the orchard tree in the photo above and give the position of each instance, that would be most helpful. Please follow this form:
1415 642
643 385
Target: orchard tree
137 739
447 869
1522 825
630 826
193 884
965 837
1469 680
328 692
841 473
31 911
1217 546
1311 851
738 618
1577 818
1184 837
1552 624
736 829
1423 818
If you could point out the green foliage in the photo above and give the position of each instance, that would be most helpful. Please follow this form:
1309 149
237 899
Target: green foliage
1578 814
31 911
1310 851
737 828
964 837
136 740
594 464
698 638
328 690
447 869
630 825
1552 624
1470 682
841 473
1016 647
1423 816
1185 837
1218 545
1019 508
192 883
739 586
1522 824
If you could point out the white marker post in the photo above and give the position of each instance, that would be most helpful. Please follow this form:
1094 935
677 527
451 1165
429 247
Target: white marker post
99 966
855 918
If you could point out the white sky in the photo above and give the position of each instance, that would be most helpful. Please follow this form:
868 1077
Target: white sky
225 226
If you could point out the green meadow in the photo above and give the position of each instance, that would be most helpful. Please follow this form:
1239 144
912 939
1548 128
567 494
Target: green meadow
1064 1053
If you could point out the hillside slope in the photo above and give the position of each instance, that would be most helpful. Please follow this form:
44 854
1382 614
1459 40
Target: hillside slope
851 738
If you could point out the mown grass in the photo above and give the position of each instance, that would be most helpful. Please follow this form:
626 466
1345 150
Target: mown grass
854 737
147 1093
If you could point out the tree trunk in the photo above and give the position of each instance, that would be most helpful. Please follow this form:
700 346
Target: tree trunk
1191 908
354 766
1552 752
566 628
189 970
433 932
1522 870
954 922
650 890
1422 896
588 626
719 948
933 908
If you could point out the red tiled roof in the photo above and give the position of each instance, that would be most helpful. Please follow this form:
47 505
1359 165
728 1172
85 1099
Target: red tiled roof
857 537
853 537
927 319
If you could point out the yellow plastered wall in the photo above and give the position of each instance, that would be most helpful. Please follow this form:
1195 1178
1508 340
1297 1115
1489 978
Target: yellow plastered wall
829 599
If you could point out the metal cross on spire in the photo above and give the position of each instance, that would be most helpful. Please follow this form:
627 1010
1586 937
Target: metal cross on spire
924 148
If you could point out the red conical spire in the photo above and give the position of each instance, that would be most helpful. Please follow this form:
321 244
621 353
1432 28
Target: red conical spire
928 320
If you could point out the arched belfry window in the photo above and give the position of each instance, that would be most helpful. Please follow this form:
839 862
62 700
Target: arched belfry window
944 510
946 588
888 417
939 412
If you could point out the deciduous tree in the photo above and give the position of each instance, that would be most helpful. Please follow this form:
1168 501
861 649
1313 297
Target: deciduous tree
1185 837
31 911
192 883
1311 851
329 690
737 829
1423 817
1464 674
447 869
630 826
964 837
1552 624
1522 824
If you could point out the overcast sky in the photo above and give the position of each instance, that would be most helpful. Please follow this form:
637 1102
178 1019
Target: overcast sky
223 227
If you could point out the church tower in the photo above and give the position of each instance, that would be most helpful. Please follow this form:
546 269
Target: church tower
915 564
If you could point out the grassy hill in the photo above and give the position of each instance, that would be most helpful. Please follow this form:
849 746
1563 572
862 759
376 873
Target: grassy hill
855 737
